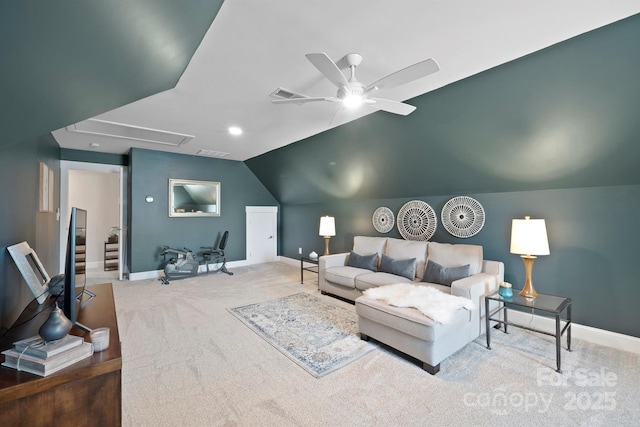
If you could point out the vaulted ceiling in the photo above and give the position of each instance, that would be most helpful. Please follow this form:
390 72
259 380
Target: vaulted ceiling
562 117
197 67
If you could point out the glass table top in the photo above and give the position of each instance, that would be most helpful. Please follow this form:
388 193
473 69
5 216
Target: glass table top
550 303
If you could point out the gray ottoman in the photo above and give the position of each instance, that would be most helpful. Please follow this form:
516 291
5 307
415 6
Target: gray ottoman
413 333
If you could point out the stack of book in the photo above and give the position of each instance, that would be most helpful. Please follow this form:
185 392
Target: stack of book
36 356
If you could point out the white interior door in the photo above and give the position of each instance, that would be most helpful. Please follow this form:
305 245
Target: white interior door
262 234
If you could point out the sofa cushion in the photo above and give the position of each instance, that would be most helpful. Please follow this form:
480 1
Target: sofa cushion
409 321
448 255
369 262
365 245
373 280
406 249
344 276
401 267
435 273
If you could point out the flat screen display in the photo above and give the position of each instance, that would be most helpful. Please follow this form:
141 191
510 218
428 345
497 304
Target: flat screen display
75 262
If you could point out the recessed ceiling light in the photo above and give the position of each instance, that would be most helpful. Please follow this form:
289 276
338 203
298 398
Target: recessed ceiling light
235 130
94 144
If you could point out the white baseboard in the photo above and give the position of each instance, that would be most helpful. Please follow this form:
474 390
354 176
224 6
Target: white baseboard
295 262
582 332
290 261
156 274
143 275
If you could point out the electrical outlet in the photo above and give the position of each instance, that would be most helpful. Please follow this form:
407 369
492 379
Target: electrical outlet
299 251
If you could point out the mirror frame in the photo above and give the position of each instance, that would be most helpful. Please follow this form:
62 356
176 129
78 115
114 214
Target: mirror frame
173 183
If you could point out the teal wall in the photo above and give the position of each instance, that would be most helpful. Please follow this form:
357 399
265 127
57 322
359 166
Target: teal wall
21 221
65 61
94 157
150 224
591 237
553 135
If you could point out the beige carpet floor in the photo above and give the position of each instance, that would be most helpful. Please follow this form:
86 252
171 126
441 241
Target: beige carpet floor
188 362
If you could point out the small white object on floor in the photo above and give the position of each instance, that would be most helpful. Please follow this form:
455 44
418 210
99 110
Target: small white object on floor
431 302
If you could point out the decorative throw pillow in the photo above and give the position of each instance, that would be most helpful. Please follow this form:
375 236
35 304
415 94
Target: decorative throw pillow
400 267
435 273
363 261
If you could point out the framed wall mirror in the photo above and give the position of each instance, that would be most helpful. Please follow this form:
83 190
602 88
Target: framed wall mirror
189 198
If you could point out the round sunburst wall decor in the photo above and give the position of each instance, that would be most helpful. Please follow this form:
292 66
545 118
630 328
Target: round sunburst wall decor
383 220
417 221
463 216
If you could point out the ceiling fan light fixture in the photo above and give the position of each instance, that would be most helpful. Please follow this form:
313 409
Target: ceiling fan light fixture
352 97
352 101
351 92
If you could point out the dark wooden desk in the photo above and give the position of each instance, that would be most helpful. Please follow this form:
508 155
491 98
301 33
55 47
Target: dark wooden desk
87 393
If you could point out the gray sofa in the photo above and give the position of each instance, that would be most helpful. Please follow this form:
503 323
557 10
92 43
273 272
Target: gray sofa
406 329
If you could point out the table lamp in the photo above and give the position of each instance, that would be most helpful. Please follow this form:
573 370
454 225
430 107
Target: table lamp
529 238
327 229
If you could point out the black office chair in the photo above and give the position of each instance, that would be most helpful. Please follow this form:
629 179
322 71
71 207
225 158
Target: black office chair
215 255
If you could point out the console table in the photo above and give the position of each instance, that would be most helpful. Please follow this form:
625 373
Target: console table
549 304
87 393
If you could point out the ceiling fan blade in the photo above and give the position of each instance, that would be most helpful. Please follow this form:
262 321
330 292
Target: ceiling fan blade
304 100
338 114
406 75
328 68
394 107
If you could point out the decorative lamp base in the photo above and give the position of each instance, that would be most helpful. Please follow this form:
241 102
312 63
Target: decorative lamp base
326 245
528 291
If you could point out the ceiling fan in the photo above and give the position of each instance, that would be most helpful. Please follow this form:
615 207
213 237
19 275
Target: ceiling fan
351 93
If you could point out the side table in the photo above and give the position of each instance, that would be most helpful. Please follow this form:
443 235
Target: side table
549 304
313 268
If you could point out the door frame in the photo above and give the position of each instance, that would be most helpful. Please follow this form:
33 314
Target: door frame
65 167
261 209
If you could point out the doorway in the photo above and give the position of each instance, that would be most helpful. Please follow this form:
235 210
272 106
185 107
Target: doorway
101 190
262 234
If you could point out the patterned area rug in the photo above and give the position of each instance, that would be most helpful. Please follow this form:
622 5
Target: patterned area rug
317 335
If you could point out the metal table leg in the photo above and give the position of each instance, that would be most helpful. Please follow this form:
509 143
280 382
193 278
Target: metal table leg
558 342
487 322
569 327
504 310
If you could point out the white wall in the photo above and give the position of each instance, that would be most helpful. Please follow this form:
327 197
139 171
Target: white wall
96 192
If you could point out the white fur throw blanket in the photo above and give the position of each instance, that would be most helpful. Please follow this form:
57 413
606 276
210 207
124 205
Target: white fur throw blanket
431 302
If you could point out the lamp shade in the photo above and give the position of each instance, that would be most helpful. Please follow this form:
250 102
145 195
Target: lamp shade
327 226
529 237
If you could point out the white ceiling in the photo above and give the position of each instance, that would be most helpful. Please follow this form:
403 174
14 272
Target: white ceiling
255 46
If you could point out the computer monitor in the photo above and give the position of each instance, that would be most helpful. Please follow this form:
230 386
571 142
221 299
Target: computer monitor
74 274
